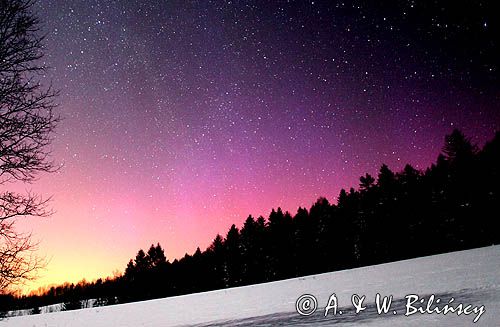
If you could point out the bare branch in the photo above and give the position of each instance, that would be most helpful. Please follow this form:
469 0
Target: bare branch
27 122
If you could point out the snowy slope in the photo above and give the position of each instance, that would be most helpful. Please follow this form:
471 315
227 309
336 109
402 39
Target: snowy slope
470 277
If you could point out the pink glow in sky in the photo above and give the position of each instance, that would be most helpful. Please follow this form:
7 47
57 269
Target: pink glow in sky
181 119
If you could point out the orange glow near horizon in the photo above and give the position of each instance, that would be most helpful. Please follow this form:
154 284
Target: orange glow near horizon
180 119
90 237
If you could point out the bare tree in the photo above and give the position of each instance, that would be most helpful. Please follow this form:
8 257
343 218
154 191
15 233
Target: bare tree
27 123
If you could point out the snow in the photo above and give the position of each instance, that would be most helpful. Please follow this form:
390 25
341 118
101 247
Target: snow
45 309
470 277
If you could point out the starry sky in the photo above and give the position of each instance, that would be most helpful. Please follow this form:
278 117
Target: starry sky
180 118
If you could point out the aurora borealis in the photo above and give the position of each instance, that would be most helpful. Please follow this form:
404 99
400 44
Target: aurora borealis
181 118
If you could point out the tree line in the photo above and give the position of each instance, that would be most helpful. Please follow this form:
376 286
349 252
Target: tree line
449 206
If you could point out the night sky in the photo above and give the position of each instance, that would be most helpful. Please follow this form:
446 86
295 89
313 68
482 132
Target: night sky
181 118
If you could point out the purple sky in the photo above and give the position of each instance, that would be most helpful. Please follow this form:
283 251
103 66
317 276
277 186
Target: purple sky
181 118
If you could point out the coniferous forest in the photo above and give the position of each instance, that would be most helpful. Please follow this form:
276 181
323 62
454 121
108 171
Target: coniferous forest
450 206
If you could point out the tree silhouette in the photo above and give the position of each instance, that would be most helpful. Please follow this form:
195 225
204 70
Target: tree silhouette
216 255
450 206
249 250
254 250
303 246
280 255
26 125
366 182
458 147
157 256
233 256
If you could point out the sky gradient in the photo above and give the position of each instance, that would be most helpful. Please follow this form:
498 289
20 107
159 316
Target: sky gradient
181 118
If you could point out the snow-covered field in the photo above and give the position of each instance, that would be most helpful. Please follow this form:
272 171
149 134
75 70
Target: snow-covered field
470 277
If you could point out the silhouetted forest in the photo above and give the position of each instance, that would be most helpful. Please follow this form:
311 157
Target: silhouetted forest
450 206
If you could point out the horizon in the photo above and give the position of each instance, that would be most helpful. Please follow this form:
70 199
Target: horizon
180 120
40 289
